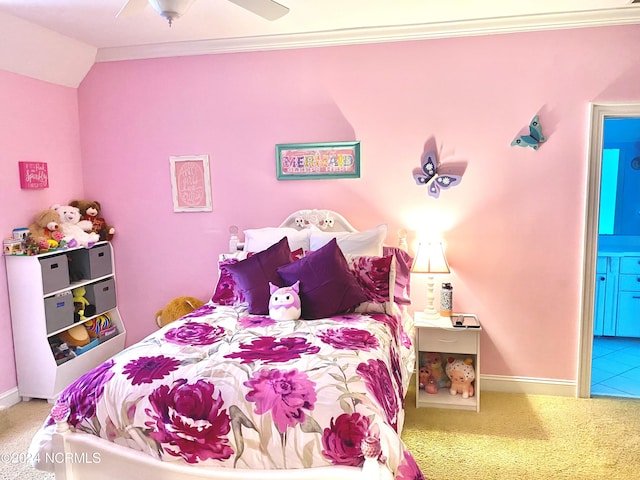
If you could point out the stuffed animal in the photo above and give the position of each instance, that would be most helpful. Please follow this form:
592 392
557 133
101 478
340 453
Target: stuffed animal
74 229
284 303
97 325
44 232
82 307
176 308
90 210
462 375
426 381
434 361
76 336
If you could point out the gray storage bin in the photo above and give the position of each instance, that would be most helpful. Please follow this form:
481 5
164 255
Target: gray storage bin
102 294
87 264
58 311
55 273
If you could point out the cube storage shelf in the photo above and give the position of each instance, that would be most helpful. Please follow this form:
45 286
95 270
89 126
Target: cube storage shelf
440 336
41 299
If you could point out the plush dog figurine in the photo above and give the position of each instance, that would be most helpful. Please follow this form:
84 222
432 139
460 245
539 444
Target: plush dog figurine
176 308
462 375
284 303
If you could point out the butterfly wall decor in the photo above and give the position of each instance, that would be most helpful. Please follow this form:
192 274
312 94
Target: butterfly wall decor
535 137
427 174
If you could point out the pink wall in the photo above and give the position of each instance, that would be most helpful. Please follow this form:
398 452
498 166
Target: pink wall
39 123
513 228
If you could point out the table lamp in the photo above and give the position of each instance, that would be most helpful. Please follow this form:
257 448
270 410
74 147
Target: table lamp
430 259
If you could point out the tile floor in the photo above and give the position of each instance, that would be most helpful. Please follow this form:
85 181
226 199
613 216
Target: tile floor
615 368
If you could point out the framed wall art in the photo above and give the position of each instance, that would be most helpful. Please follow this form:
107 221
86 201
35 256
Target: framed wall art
191 183
313 161
33 175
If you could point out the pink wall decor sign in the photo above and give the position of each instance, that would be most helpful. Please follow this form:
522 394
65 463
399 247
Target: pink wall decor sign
33 175
191 183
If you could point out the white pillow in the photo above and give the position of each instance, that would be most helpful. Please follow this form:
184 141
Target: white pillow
354 243
259 239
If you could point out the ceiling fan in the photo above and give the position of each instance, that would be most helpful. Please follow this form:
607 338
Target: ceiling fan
173 9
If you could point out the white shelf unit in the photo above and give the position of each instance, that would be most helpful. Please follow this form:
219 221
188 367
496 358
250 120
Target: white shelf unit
439 335
39 375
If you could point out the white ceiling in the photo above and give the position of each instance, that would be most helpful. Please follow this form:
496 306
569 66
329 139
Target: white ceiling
214 26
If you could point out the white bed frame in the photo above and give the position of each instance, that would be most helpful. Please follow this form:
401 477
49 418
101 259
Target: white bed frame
79 456
326 220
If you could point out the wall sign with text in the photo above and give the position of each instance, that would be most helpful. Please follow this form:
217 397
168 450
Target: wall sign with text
33 175
191 183
301 161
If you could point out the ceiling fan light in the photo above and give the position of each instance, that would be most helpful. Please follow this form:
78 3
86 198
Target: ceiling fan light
171 9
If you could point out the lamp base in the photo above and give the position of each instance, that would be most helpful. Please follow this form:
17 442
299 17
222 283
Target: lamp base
430 314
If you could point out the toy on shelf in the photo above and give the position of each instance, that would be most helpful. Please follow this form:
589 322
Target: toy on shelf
96 326
44 233
176 308
426 380
90 210
75 230
434 361
82 307
462 375
76 336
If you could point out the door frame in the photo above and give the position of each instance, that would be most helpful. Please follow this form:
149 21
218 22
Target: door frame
598 113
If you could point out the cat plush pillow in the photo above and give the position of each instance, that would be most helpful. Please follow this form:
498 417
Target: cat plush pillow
284 303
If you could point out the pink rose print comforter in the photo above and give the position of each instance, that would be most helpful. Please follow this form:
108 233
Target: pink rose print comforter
224 388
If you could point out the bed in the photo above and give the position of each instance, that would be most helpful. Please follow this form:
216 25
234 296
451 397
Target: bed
227 392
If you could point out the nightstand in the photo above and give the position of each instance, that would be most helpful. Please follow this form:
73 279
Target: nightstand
442 337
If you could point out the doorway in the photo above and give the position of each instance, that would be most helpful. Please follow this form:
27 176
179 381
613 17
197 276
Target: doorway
603 336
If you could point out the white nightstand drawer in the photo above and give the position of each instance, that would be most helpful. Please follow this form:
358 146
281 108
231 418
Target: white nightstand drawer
449 341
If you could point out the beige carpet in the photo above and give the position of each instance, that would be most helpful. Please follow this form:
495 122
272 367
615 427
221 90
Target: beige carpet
513 437
516 436
18 424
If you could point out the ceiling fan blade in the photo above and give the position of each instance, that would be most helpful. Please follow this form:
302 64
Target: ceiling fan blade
267 9
132 7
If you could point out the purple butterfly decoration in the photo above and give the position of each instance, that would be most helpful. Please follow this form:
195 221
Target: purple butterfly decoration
428 175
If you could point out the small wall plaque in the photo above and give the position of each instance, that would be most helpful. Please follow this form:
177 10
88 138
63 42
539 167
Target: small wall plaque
33 175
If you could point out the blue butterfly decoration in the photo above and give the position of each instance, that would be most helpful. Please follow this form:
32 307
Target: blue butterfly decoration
535 137
427 174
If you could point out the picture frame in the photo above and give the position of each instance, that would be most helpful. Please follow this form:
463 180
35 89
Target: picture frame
315 161
191 183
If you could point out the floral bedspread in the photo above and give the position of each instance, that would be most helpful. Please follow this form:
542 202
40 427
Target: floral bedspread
224 388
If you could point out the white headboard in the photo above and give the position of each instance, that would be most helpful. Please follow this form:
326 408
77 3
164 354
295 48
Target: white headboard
326 220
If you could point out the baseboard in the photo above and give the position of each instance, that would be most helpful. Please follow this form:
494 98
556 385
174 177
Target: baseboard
9 398
528 385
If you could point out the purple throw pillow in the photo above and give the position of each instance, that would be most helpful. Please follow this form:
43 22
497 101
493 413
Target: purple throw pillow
327 286
253 275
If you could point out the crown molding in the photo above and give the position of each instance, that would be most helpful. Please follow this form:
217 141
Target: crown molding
626 15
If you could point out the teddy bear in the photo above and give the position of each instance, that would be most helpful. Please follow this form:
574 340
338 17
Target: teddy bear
284 303
74 229
434 361
176 308
90 210
44 232
462 375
